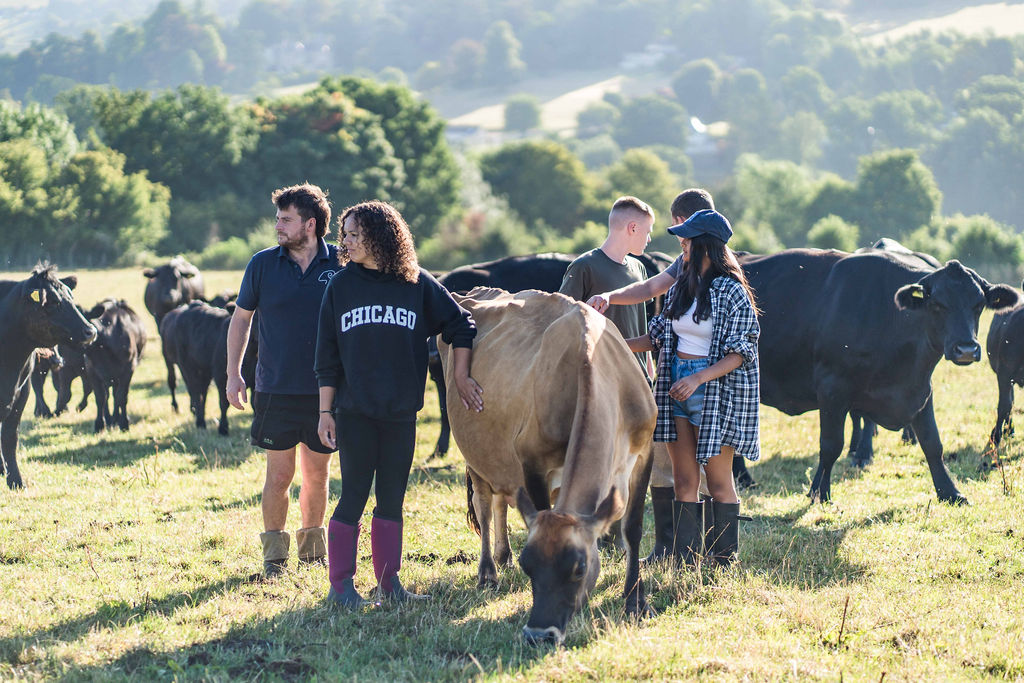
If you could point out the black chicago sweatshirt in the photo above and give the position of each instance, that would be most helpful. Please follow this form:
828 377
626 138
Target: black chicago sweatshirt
372 339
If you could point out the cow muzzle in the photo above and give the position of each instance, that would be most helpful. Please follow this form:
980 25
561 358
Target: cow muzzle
551 635
965 354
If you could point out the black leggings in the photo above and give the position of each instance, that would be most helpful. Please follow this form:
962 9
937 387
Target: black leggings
369 447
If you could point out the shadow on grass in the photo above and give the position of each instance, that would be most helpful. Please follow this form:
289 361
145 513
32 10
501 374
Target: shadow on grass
114 613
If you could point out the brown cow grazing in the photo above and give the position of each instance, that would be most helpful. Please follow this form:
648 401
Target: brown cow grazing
36 312
170 285
570 419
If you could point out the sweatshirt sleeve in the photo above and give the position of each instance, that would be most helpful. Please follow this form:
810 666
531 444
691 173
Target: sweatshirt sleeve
327 362
445 316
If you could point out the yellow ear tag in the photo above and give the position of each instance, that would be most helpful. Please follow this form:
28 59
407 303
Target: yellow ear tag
36 296
917 294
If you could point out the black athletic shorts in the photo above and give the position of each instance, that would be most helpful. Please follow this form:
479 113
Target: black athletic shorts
281 421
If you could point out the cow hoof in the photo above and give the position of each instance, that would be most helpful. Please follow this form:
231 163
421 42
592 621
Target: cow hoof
643 610
487 583
537 636
222 430
958 499
15 484
861 463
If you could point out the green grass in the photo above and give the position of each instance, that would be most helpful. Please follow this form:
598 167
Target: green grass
128 556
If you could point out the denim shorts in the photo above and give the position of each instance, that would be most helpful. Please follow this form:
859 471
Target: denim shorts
691 408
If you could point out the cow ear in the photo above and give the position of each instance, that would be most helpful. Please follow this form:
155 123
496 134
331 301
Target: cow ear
71 281
1000 297
610 509
149 272
525 507
96 311
38 296
911 296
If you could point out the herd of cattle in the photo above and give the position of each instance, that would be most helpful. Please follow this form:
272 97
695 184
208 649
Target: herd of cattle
844 334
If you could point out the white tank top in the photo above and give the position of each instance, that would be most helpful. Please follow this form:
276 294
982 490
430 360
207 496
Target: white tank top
693 338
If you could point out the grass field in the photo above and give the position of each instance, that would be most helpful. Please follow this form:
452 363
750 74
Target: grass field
128 556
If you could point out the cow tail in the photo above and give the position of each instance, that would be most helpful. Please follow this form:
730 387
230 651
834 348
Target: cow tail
471 519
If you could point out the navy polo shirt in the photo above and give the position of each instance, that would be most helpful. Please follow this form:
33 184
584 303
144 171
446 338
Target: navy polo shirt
287 301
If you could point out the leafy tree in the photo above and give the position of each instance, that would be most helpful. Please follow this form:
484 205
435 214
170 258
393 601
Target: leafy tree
696 88
651 120
111 214
1001 93
323 137
801 138
416 133
776 193
522 112
643 174
896 194
832 232
803 89
501 63
832 196
541 180
980 242
44 127
465 61
748 107
25 210
597 118
596 152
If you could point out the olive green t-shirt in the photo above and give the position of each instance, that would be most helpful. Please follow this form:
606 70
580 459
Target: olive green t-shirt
593 273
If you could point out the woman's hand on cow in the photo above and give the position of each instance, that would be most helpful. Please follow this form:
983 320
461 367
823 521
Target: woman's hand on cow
685 386
599 302
327 430
471 393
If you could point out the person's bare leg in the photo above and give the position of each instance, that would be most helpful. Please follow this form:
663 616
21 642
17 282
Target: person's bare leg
280 472
683 454
315 469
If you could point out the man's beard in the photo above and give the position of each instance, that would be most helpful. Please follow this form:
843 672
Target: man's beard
294 243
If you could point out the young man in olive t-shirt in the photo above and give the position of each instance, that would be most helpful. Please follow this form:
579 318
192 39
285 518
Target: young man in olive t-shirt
612 266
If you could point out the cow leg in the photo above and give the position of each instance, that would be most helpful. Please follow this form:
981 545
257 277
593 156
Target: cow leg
865 452
856 423
9 438
927 433
38 384
202 390
908 436
86 390
502 549
1004 408
831 420
741 474
172 382
100 393
487 572
62 385
222 402
121 402
632 528
437 374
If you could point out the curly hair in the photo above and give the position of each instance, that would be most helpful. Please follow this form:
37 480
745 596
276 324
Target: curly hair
387 237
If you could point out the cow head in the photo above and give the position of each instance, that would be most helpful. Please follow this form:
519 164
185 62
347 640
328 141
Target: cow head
952 298
562 561
51 316
109 317
168 282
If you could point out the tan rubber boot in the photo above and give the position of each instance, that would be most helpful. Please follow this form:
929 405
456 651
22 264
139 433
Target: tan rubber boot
275 552
311 544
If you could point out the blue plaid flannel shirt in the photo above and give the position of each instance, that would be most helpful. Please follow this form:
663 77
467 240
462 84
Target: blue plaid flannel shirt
730 415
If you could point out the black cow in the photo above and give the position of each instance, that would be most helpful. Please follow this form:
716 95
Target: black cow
862 333
170 285
36 312
194 337
514 274
1005 349
111 361
45 360
73 367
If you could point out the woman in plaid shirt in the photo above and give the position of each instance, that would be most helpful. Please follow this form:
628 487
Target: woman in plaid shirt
707 385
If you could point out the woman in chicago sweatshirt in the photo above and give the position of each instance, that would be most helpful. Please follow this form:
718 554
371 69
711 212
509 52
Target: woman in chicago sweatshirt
371 366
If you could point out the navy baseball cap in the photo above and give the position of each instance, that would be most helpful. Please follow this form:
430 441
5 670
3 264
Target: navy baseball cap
704 222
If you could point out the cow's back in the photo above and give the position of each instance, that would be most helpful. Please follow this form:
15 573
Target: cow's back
513 274
1005 344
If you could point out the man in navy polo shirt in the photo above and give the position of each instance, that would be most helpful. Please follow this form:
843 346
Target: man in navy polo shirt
286 284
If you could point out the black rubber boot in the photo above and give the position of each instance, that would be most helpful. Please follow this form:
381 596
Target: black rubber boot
709 522
661 506
688 539
725 540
